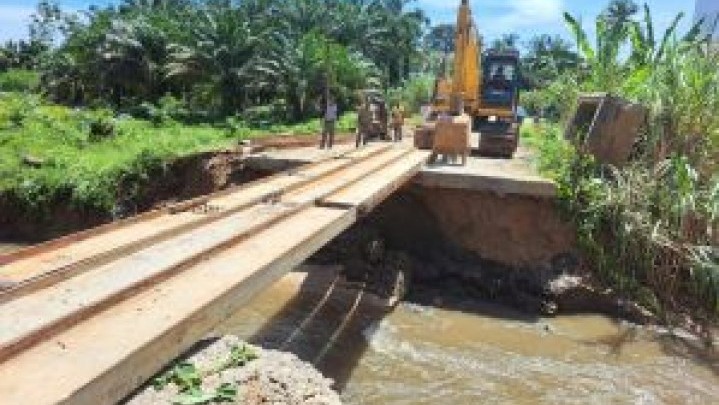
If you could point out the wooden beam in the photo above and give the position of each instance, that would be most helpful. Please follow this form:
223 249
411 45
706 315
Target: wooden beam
313 192
105 358
43 265
369 192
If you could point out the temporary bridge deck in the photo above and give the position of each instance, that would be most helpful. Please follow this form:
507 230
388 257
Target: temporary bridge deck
87 318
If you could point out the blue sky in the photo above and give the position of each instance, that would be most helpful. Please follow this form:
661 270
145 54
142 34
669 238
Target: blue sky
494 17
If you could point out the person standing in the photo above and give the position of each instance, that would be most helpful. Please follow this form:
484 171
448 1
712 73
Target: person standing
328 130
364 121
397 122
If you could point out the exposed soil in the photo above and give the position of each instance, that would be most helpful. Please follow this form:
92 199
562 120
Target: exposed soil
404 249
183 178
518 231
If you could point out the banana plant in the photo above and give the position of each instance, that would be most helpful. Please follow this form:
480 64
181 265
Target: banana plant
602 63
646 50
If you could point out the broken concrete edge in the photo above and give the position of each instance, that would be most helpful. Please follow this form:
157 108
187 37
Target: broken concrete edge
533 187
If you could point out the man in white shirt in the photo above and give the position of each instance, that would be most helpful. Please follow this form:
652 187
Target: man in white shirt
328 130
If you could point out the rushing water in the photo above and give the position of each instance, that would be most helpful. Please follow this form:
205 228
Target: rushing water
426 355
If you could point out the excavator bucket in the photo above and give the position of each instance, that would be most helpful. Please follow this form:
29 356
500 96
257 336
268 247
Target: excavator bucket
606 126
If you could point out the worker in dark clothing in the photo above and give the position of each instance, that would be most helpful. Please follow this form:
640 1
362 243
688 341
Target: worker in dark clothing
364 121
397 122
328 130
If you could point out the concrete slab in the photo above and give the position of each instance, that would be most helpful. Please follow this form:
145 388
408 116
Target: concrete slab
502 176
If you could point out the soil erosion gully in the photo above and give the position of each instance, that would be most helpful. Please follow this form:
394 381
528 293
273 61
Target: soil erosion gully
87 318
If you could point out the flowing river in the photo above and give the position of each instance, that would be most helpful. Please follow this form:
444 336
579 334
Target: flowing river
478 353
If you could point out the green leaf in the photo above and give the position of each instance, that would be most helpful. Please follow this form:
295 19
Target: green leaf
195 398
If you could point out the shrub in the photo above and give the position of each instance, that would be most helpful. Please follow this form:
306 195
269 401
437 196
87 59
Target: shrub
413 93
102 126
19 80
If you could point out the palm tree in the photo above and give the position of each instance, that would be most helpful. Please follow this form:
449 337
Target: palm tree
441 38
620 12
133 57
226 53
602 60
505 42
547 58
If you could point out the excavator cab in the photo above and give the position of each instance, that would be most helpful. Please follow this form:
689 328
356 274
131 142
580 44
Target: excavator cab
497 119
501 79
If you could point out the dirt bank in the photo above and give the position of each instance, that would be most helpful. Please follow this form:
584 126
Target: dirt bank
446 247
231 371
515 230
181 179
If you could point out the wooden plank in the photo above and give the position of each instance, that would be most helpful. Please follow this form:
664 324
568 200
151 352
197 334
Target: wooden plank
30 318
34 317
91 247
315 191
54 261
372 190
103 359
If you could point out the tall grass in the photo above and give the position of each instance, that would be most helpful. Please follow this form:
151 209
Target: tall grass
651 228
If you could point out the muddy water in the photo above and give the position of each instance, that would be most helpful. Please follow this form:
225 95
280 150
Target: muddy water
480 354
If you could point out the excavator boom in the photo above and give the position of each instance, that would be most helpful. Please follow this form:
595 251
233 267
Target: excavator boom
483 87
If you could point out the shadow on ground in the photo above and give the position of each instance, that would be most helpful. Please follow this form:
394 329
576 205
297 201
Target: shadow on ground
321 321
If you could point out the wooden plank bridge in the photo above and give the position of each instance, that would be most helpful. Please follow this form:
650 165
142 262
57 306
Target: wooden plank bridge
87 318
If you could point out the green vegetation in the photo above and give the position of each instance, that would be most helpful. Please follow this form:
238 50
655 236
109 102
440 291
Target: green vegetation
93 106
19 80
649 229
51 153
188 379
220 58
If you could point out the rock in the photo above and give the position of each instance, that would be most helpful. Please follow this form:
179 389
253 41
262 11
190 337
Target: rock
273 378
33 161
563 284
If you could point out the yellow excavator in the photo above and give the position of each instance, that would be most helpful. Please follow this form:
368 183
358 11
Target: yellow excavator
481 95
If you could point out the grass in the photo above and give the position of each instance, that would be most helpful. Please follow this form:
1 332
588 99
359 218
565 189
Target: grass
646 231
50 152
19 80
649 229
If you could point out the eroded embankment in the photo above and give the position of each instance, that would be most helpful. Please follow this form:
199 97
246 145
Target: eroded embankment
435 243
180 179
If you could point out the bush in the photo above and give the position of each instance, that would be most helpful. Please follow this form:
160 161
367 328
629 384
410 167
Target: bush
15 108
102 126
19 80
413 93
648 231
